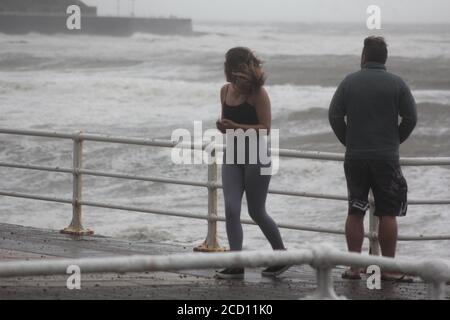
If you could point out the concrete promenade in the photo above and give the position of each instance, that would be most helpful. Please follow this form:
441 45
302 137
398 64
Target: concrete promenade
26 243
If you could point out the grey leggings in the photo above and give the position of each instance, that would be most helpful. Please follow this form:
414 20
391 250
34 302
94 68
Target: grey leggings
237 178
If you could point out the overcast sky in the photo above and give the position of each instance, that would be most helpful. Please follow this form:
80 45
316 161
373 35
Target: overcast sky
402 11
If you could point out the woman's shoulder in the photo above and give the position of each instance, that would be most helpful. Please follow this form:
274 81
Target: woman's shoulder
224 87
223 91
259 96
261 92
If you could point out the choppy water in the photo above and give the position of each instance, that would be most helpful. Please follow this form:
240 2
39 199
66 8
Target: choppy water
148 85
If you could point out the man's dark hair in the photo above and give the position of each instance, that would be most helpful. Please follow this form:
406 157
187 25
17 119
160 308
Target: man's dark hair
375 49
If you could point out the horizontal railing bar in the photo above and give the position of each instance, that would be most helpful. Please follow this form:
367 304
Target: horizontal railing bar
303 154
34 197
203 217
198 183
342 232
125 140
35 167
318 155
313 229
163 212
429 202
434 270
36 133
318 256
246 221
437 161
291 226
309 195
424 238
142 141
152 263
103 138
104 174
142 178
344 198
331 156
144 210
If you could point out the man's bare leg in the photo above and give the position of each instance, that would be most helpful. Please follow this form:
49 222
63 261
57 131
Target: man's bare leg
354 232
387 235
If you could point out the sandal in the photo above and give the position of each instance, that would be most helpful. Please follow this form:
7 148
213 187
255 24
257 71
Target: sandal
402 278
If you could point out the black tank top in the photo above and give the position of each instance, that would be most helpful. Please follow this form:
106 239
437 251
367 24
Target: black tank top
244 113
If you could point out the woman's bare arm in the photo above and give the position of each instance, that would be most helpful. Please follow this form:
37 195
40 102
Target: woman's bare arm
219 124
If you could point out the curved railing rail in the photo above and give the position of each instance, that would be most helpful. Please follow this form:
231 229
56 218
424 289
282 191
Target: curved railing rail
211 243
320 257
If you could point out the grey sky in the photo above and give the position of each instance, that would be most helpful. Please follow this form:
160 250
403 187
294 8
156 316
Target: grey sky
402 11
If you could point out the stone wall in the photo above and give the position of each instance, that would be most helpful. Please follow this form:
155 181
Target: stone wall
43 6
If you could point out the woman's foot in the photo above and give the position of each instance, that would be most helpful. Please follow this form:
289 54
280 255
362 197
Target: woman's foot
230 273
274 271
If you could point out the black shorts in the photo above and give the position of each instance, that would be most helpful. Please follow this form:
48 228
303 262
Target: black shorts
384 178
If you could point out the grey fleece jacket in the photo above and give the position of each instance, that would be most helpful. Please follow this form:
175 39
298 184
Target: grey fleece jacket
364 113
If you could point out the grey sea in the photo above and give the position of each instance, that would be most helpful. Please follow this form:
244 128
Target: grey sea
149 85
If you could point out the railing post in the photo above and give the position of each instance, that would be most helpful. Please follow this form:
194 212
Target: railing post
76 226
436 290
211 244
325 287
324 277
374 248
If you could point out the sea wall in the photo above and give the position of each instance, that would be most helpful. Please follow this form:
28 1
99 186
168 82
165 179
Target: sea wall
43 6
114 26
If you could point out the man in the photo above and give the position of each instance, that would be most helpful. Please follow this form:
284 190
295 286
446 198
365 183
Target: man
364 114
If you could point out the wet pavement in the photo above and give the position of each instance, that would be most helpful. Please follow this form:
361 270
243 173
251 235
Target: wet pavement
26 243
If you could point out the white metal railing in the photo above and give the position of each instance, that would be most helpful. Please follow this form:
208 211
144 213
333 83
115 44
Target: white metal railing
322 258
211 243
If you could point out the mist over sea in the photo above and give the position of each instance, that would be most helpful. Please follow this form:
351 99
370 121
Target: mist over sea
148 85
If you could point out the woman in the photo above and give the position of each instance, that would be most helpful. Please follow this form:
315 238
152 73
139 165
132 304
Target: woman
246 106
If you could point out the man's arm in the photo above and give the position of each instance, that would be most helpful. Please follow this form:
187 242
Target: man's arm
337 113
408 113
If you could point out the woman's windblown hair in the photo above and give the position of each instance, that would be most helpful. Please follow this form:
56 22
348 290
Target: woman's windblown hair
244 70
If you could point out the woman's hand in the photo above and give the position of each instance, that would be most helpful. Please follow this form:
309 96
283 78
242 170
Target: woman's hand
228 124
220 126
